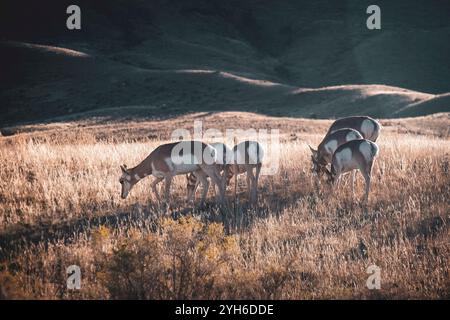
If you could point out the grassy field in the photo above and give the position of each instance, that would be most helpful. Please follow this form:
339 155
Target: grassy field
60 205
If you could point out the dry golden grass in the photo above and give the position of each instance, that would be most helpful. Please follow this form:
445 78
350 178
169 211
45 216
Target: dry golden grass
57 185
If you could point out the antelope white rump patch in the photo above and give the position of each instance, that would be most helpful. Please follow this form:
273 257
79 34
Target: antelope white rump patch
331 146
367 128
345 155
353 135
254 151
366 150
224 155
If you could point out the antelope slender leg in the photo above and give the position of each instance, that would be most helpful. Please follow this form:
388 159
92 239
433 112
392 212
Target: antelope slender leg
258 171
214 189
168 183
214 185
195 188
367 178
155 190
205 186
191 195
218 183
251 183
225 177
213 174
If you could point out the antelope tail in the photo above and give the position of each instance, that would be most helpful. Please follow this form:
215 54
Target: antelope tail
375 149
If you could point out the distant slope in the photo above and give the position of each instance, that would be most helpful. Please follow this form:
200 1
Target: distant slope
133 53
439 103
72 84
119 129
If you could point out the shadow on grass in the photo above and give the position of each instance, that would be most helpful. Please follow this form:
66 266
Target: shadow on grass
235 216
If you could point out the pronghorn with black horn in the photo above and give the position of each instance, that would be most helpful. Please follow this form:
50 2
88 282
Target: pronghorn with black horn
324 153
354 155
169 160
367 126
224 158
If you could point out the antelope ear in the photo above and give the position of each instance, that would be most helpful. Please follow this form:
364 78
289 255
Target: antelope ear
124 168
312 150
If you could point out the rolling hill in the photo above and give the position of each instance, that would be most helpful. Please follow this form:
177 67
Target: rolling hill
164 58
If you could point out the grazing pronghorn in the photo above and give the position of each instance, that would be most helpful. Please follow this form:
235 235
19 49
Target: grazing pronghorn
322 156
247 155
368 127
355 154
169 160
224 158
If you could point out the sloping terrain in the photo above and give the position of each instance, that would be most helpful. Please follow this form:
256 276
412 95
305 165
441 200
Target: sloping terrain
174 57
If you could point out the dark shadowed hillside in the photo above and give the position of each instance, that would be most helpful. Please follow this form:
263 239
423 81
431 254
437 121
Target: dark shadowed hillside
162 58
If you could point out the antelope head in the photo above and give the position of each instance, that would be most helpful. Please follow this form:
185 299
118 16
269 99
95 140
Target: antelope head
127 180
331 176
317 167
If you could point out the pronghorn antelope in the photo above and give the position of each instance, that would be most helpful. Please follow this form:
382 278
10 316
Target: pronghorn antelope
324 153
224 158
246 156
368 127
355 154
169 160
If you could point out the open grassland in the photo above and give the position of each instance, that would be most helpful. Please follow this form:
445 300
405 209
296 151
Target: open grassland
60 205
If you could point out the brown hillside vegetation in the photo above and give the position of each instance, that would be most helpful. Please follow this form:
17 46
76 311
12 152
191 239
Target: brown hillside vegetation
60 205
165 58
66 84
